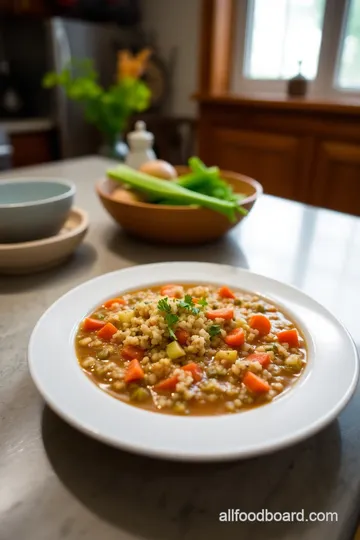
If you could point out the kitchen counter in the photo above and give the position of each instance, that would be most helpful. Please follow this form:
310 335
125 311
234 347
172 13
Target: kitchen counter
27 125
57 483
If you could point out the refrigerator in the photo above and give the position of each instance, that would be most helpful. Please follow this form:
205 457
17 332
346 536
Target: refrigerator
77 29
69 40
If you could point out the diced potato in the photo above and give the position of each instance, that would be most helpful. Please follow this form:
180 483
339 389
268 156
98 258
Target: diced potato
174 350
126 316
294 362
85 341
229 356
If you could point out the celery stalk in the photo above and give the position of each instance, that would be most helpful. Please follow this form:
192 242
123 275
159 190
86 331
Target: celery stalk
163 189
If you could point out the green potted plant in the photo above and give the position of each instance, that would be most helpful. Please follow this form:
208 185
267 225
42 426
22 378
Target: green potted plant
107 109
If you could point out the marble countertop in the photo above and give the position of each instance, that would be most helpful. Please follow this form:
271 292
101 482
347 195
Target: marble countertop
56 483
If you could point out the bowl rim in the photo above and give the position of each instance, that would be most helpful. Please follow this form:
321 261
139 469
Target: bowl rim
25 180
252 198
56 238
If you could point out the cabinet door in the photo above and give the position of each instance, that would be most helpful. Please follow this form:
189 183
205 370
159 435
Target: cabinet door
336 183
23 7
281 163
32 148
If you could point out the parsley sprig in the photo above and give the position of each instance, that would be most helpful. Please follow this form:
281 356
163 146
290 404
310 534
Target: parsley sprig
170 318
188 304
214 330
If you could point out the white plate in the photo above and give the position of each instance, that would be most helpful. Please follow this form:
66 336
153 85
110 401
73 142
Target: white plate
317 398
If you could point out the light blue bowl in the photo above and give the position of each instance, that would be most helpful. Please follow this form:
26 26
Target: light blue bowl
31 209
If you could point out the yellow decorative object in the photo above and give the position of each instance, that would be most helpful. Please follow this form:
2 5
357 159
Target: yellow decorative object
129 65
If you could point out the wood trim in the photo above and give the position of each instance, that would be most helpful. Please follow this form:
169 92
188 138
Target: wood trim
350 106
357 534
216 45
205 50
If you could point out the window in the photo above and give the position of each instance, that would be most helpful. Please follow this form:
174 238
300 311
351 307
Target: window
278 38
349 66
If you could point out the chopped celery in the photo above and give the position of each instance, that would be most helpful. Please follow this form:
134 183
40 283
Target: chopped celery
140 394
103 354
294 362
158 189
207 180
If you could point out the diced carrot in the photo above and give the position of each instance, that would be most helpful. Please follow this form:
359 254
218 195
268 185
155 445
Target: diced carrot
195 371
134 371
112 301
261 323
223 313
90 324
182 336
255 384
289 336
235 338
130 352
195 300
226 292
107 331
173 291
167 385
262 357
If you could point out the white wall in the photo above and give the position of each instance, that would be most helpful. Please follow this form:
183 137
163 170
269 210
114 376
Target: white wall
176 23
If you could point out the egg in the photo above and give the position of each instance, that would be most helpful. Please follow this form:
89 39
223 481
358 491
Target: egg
159 168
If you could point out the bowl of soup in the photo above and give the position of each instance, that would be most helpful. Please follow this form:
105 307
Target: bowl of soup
193 349
192 361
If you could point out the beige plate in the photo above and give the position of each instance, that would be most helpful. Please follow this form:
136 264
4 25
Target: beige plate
28 257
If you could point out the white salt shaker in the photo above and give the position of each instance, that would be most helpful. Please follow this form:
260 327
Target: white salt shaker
141 146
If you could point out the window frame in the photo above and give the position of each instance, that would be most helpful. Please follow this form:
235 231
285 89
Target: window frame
325 83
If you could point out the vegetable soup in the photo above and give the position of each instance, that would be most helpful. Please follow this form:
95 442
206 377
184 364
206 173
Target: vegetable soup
191 349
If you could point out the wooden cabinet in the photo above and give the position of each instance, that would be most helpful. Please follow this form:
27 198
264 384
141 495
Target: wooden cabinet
33 148
275 159
24 7
337 177
298 149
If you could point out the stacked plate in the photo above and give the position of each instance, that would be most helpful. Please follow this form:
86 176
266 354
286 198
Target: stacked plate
39 227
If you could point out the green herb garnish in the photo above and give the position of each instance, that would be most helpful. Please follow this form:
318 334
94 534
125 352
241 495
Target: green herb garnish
203 302
163 305
214 330
188 304
170 318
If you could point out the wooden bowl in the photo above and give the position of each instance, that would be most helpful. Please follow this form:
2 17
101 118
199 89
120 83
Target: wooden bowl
39 255
176 224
